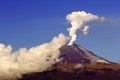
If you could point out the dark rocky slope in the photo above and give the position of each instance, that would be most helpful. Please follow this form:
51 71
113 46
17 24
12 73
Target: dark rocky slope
88 72
78 64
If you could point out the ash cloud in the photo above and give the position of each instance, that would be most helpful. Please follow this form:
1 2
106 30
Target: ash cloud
36 59
79 22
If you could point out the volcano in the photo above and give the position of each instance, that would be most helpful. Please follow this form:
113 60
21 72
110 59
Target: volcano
78 63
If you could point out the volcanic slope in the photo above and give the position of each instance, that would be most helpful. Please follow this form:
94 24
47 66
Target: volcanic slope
78 64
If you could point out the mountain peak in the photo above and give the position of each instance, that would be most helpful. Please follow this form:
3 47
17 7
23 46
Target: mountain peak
77 63
77 54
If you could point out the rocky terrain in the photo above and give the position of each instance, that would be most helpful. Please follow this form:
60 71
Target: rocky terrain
78 64
72 72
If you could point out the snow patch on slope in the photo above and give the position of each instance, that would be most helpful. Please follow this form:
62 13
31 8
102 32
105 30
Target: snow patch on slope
91 57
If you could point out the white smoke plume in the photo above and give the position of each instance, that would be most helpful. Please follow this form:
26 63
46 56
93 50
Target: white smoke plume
79 21
36 59
13 64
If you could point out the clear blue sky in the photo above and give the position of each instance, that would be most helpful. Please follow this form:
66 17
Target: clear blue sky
27 23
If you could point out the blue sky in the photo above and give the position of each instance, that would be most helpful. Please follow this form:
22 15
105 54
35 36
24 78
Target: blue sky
27 23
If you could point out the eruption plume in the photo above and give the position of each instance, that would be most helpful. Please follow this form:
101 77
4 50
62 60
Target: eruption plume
79 22
13 64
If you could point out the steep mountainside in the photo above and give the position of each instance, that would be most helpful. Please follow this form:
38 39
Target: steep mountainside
77 54
78 64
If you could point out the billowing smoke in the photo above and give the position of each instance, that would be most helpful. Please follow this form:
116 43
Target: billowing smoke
79 22
13 64
36 59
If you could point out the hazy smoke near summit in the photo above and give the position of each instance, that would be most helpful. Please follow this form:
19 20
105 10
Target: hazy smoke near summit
79 21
